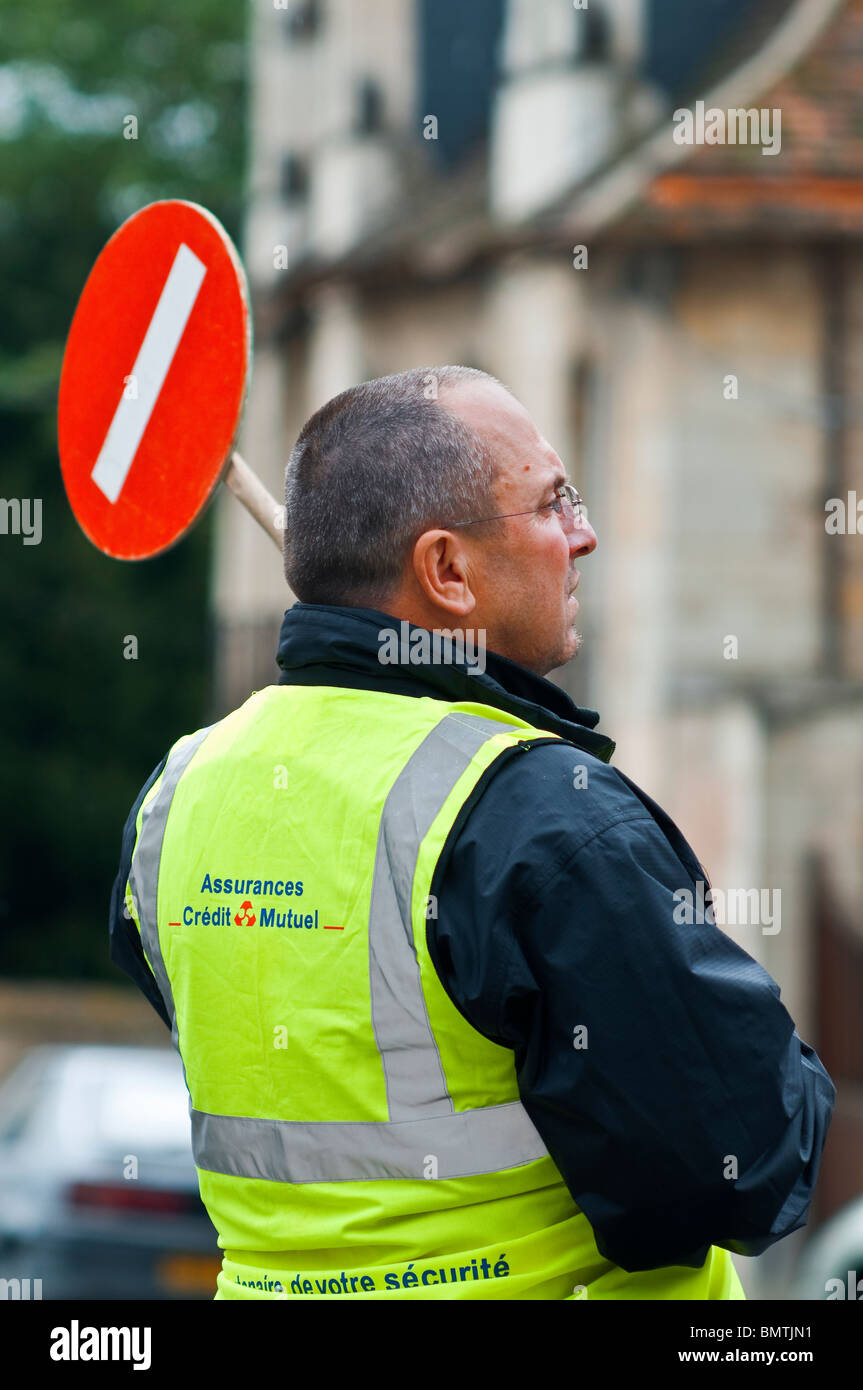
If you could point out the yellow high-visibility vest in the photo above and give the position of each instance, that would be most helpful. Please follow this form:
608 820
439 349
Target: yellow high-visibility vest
354 1135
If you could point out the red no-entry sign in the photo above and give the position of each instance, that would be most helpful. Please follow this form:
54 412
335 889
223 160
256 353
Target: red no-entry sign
154 379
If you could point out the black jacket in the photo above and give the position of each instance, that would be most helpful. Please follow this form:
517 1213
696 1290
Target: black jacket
686 1111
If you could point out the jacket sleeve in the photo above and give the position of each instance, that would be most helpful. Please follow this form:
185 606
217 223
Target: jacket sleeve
655 1058
125 941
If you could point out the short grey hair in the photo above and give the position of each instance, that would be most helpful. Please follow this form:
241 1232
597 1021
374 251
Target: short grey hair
371 470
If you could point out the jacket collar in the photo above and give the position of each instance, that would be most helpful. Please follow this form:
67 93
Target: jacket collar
324 645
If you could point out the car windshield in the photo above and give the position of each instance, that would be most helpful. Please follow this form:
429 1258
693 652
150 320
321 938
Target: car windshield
99 1100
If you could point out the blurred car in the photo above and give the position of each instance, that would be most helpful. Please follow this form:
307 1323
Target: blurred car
98 1189
831 1265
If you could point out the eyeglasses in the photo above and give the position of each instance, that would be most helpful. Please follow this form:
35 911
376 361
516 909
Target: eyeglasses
567 503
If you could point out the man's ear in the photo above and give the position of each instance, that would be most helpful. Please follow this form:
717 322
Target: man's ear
443 571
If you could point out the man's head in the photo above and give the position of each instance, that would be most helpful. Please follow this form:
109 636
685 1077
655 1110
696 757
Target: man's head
379 485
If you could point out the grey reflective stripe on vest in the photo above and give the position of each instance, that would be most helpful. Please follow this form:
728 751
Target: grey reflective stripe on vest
144 873
462 1145
416 1087
423 1122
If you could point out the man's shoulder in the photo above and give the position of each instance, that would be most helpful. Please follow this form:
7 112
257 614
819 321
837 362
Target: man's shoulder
540 806
538 811
561 780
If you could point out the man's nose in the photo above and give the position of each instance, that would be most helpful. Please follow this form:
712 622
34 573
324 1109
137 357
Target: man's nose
582 539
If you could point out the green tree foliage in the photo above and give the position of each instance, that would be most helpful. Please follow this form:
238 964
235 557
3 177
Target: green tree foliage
80 726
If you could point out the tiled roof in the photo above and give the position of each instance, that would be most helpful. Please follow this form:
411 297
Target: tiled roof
813 186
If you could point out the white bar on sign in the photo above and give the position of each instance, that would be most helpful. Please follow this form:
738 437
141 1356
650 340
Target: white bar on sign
152 365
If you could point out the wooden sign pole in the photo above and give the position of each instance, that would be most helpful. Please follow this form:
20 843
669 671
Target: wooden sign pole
248 489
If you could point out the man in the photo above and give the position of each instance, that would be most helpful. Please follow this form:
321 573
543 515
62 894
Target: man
443 1031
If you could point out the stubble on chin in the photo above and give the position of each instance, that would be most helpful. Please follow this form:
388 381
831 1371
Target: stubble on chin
558 659
571 650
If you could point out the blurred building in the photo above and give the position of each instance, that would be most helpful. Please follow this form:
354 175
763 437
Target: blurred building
499 185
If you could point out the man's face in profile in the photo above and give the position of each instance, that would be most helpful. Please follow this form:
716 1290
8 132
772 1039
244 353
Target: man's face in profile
523 570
